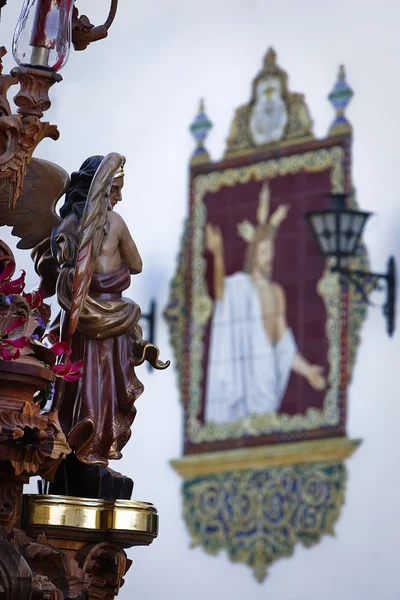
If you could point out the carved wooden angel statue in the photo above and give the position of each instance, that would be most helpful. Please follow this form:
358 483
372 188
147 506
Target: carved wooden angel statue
87 256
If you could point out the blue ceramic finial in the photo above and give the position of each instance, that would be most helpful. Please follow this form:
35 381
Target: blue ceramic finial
199 130
340 98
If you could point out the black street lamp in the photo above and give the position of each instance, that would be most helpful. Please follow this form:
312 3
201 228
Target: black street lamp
337 231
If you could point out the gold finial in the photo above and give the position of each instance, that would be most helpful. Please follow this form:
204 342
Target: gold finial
201 106
270 57
120 172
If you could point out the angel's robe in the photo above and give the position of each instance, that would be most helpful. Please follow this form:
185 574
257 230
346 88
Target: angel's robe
246 374
96 412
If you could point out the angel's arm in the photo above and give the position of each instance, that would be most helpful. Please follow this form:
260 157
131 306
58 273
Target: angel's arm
127 246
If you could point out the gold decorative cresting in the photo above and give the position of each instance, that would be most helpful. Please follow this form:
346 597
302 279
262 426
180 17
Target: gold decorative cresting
316 451
137 519
298 123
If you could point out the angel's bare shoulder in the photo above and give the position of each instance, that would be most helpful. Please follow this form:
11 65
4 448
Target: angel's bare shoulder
117 224
114 217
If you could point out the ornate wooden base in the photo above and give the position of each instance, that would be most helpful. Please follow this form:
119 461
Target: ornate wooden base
58 547
75 548
72 548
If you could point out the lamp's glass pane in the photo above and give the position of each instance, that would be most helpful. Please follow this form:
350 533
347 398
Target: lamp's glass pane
324 226
317 223
345 232
358 223
351 226
330 232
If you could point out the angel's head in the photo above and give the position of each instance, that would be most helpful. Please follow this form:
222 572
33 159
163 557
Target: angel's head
117 185
261 239
115 194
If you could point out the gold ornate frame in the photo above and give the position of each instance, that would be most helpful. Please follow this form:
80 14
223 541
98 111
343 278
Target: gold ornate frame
190 306
255 425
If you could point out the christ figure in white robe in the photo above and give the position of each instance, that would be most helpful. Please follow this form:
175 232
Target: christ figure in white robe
252 350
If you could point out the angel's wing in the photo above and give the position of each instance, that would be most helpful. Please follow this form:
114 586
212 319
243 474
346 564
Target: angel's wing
94 223
34 216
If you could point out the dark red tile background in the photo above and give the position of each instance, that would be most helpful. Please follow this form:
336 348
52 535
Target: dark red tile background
298 265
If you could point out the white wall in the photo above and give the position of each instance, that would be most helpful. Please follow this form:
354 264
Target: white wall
136 93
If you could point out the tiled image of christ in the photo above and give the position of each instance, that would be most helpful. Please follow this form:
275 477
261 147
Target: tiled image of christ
252 349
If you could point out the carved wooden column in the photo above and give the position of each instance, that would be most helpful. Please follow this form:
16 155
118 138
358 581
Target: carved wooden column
30 443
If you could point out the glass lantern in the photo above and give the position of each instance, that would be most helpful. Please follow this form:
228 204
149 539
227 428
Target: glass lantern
42 38
338 229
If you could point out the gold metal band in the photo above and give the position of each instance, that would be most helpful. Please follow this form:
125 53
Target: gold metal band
84 513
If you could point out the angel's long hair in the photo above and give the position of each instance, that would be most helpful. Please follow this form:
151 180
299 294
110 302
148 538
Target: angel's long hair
76 194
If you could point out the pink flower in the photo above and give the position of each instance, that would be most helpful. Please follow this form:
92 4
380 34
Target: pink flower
21 315
10 341
7 286
70 371
33 298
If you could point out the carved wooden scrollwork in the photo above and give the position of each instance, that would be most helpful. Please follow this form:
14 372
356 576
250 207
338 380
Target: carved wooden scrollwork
20 133
15 574
34 570
84 32
105 566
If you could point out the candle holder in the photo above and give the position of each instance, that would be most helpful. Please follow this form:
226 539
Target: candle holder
41 44
20 133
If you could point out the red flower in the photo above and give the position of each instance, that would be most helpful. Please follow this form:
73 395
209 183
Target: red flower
24 314
70 371
33 298
10 346
7 286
